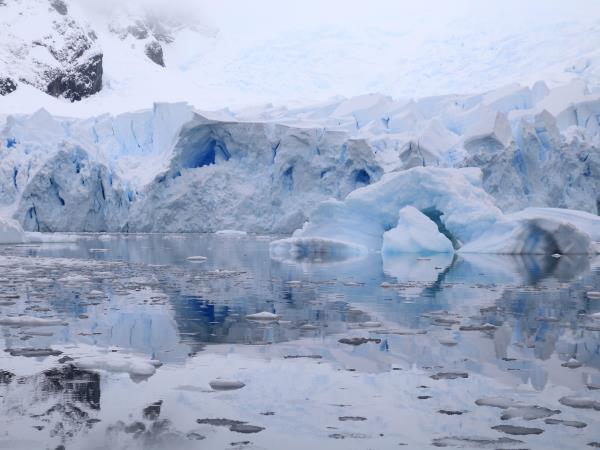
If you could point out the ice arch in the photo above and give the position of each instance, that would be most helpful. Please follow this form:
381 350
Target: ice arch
452 197
450 200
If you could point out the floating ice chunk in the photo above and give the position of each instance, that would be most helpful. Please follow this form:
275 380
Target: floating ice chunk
497 402
415 233
265 315
539 235
448 342
226 385
118 362
580 402
314 249
10 231
516 430
528 412
453 197
196 258
231 233
583 221
28 321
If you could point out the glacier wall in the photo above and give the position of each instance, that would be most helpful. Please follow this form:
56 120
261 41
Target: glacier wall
265 169
261 177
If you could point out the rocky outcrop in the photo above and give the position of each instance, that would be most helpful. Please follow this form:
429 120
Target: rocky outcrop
7 85
78 82
154 51
59 56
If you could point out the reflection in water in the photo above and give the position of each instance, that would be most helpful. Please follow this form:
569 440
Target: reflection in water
517 325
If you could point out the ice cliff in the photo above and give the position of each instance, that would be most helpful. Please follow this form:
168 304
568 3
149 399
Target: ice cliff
270 169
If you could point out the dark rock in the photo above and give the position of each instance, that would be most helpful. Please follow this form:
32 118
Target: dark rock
83 80
60 7
73 384
65 359
302 356
7 85
516 430
358 341
351 418
152 411
6 376
154 51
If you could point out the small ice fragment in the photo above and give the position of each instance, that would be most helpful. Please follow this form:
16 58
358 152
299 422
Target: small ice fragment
449 342
516 430
226 385
28 321
264 315
572 364
196 258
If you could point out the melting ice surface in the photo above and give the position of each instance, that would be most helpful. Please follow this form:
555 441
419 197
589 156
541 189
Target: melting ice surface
141 347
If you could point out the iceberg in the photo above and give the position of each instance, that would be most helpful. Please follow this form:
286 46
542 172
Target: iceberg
437 210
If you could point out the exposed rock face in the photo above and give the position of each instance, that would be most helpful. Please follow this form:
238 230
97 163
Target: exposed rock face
81 81
59 56
73 192
7 85
60 6
154 51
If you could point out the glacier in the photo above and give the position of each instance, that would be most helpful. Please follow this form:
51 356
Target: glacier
464 162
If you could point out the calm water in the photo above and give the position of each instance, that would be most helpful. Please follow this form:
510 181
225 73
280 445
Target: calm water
456 352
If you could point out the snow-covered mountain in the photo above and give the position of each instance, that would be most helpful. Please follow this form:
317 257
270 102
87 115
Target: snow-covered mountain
237 54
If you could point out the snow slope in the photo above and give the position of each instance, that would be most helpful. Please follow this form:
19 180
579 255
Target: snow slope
236 54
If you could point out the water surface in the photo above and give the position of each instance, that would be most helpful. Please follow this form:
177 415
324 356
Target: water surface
144 331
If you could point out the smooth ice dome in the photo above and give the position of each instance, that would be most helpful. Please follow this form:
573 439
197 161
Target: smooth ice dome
415 233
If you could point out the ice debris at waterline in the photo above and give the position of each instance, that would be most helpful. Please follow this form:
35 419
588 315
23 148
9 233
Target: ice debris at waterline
436 210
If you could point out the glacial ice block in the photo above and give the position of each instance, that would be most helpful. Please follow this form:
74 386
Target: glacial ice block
435 210
10 231
415 233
